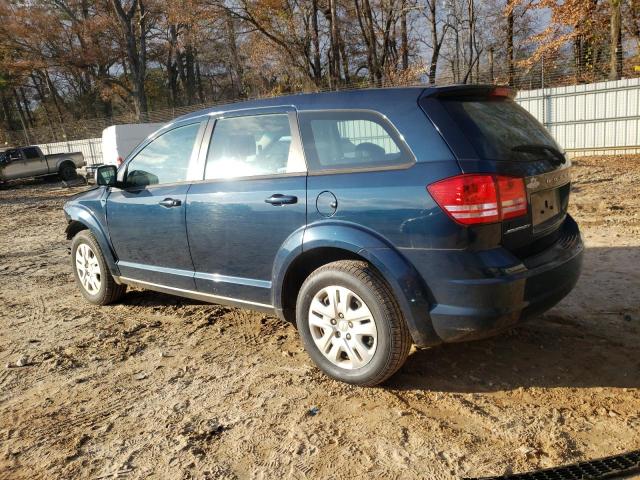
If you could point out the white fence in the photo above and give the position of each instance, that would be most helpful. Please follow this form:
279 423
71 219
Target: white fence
592 119
91 148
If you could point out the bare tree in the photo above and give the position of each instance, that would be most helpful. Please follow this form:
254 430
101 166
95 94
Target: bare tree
437 32
134 30
615 47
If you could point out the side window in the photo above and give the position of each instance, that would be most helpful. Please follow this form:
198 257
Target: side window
252 145
30 153
165 159
14 155
351 139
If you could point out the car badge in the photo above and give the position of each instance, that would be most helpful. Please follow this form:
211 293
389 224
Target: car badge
533 184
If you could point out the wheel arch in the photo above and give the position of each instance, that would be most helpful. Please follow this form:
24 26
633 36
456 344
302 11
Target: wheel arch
332 241
82 219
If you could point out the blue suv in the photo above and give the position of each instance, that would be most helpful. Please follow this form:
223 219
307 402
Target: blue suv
372 219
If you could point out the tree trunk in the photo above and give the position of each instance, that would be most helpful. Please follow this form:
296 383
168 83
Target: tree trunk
435 41
365 33
23 120
54 97
172 69
8 114
27 109
142 63
201 96
404 38
615 48
472 27
189 65
135 36
315 39
41 97
334 69
510 51
240 88
373 45
345 59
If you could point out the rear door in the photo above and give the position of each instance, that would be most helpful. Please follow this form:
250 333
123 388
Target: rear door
146 218
251 199
490 133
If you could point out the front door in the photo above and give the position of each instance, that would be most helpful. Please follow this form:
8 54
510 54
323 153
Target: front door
252 199
34 163
146 218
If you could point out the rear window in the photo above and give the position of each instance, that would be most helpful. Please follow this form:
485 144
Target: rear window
500 129
351 140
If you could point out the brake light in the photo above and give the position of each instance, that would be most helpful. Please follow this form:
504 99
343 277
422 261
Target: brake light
475 198
120 161
505 92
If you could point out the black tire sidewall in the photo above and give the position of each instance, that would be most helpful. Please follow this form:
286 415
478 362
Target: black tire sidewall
380 360
85 237
67 172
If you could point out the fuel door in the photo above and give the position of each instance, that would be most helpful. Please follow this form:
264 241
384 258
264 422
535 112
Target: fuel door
326 203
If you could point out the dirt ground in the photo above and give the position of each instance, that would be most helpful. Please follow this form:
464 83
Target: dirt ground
162 387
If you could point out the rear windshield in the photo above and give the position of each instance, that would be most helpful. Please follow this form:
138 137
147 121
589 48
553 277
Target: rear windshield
500 129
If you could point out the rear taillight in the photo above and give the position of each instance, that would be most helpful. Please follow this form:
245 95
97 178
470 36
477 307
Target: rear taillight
120 161
476 198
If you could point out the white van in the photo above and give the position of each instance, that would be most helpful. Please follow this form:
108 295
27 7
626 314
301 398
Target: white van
118 141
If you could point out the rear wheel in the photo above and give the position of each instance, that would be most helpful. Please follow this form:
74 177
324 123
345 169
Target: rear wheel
351 324
91 272
67 171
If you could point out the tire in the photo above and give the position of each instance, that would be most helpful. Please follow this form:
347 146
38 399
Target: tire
97 286
365 351
67 171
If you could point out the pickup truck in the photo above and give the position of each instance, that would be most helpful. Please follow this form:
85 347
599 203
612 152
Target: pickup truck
23 162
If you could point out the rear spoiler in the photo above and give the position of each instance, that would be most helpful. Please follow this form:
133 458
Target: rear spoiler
470 91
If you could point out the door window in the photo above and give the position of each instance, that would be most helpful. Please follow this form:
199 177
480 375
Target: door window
351 139
165 159
13 155
252 145
30 153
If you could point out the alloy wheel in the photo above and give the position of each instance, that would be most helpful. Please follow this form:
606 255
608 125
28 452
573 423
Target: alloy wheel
88 269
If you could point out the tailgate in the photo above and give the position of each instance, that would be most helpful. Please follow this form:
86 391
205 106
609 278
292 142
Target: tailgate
490 133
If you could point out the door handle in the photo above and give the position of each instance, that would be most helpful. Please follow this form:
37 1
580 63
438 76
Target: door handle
170 202
279 199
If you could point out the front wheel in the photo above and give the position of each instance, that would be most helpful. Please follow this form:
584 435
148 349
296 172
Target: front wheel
91 272
350 323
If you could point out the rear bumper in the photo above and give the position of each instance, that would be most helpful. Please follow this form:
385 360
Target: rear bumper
481 307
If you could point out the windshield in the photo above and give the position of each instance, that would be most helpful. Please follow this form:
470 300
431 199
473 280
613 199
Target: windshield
500 129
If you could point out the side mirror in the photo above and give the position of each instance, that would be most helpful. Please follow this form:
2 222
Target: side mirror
107 175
